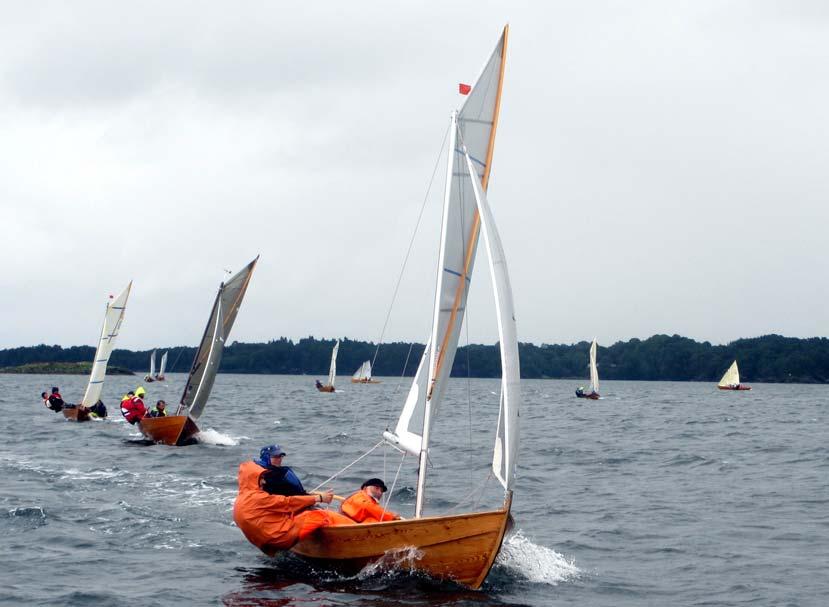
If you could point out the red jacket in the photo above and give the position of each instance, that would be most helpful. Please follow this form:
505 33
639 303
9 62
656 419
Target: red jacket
133 409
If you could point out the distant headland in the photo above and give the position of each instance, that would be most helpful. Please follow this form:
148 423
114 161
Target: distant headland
61 368
770 358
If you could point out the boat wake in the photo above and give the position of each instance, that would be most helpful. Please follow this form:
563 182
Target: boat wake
535 563
214 437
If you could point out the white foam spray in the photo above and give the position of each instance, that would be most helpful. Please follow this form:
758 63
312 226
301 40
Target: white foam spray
535 563
214 437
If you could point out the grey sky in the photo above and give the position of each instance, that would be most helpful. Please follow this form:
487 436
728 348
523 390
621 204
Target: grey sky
659 166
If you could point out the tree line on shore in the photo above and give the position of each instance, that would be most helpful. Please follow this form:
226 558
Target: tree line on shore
770 358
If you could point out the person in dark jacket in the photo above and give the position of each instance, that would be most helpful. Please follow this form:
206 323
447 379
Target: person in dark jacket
55 400
160 410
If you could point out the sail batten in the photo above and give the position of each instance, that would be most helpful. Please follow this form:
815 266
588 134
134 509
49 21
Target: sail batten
113 318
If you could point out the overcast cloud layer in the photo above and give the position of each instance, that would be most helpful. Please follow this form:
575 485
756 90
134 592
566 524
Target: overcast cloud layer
660 167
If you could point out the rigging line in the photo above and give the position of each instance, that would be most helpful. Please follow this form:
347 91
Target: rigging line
471 493
409 250
394 482
180 352
390 415
331 478
468 395
481 494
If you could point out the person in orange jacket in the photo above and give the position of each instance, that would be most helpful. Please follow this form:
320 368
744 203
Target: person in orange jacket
274 522
364 506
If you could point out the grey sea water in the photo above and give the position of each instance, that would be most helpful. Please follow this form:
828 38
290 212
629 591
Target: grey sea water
658 494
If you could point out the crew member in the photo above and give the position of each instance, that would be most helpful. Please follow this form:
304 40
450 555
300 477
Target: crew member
56 400
160 410
274 522
98 409
364 506
133 409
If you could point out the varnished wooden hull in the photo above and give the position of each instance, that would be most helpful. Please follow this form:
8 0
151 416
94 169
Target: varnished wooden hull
740 387
460 547
365 381
76 414
170 430
325 388
148 379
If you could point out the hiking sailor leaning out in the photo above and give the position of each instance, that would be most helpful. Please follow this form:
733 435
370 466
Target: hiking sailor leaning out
276 521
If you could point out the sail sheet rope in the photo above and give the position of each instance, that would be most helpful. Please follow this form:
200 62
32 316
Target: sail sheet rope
393 483
331 478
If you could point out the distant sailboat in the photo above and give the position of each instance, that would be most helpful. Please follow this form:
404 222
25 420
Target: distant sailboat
113 318
363 375
731 379
592 392
332 371
460 546
160 376
179 429
150 377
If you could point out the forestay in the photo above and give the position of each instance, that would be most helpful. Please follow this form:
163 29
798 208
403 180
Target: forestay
594 371
209 354
112 324
506 437
732 376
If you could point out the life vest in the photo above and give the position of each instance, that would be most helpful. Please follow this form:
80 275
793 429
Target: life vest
362 508
154 412
56 402
133 409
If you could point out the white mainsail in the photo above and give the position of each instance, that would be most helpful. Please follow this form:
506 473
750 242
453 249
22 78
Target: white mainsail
594 371
473 126
332 371
505 453
152 373
731 377
163 366
364 372
209 354
112 324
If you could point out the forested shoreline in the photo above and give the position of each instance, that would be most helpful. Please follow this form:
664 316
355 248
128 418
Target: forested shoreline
770 358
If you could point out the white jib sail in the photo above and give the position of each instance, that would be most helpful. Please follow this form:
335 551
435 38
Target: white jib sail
163 365
408 433
594 371
367 371
152 364
112 324
506 438
732 376
332 371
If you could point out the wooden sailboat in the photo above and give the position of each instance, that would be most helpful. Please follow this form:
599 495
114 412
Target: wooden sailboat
332 371
731 379
180 428
593 391
160 375
113 317
363 375
150 377
460 547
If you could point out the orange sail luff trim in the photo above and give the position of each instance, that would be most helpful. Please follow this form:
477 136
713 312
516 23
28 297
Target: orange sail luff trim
476 221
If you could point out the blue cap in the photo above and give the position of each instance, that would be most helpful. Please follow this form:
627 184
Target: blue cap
267 453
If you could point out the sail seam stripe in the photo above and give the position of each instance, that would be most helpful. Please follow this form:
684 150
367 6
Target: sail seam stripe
458 274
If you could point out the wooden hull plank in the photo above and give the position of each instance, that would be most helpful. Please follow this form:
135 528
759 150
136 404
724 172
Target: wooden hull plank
174 430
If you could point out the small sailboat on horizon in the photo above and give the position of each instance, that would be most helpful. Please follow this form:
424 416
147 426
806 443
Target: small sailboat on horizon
180 428
150 377
89 405
593 391
363 375
731 379
332 372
